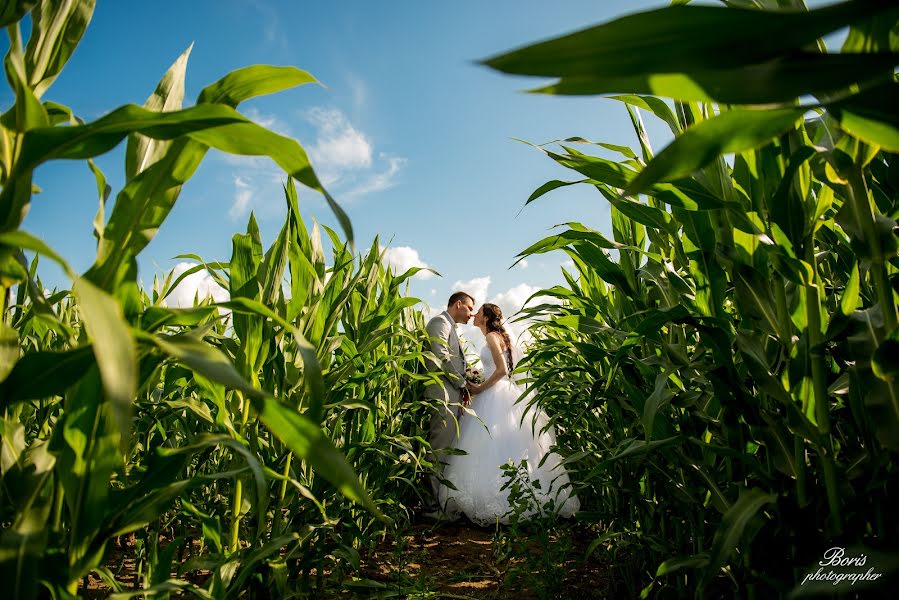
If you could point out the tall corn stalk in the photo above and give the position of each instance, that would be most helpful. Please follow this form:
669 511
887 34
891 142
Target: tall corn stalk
81 467
723 370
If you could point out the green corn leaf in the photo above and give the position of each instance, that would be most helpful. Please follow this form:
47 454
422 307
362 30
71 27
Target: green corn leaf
204 359
157 317
311 366
885 361
27 112
12 11
306 441
732 131
631 447
103 191
135 516
716 497
249 139
649 323
141 151
779 444
87 447
787 207
9 352
656 106
26 241
677 39
95 138
660 396
250 82
245 258
648 216
729 533
140 208
597 169
249 563
59 113
45 374
571 236
871 116
849 299
56 28
755 298
133 223
550 186
780 80
673 565
113 348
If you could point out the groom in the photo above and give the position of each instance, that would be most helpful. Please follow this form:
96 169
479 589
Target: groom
451 366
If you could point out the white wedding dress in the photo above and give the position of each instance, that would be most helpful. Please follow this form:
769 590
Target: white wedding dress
477 475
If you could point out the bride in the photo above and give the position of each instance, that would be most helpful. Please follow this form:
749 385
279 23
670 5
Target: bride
498 435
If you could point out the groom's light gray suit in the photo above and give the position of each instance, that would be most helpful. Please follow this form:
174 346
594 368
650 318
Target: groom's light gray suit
451 362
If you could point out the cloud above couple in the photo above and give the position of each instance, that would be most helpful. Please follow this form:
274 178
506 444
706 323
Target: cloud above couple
344 157
402 258
510 302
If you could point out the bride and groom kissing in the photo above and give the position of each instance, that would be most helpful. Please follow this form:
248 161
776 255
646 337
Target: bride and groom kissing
495 430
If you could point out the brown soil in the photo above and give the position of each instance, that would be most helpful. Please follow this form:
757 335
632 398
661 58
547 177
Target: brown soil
460 560
447 560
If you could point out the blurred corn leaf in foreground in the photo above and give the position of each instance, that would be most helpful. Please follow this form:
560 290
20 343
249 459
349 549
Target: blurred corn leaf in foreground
726 375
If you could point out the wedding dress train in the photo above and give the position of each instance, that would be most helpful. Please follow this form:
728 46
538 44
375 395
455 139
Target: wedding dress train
502 437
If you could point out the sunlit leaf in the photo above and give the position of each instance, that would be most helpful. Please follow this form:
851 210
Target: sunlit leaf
731 131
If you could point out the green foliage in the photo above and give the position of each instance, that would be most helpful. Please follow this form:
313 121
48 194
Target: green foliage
224 438
536 539
720 372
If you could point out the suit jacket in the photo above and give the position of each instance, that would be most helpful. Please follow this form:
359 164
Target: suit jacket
445 346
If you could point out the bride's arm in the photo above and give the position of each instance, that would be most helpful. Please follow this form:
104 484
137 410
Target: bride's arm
502 368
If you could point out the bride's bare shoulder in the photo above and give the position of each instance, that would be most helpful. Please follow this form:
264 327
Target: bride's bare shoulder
495 339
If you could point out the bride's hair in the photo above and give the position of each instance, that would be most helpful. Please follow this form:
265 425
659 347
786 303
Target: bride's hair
493 319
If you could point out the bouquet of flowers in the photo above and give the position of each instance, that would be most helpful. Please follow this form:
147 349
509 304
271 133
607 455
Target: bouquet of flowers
473 375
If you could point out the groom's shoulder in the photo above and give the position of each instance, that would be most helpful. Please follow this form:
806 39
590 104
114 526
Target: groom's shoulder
436 320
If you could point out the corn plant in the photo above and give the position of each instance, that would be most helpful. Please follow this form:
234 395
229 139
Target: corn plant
723 371
82 463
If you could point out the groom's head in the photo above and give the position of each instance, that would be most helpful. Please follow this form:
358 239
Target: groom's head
460 307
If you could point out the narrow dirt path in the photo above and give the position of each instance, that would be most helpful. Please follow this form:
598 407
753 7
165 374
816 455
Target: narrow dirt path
455 560
461 560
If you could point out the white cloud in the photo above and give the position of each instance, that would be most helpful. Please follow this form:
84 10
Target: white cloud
523 264
199 284
476 287
338 145
403 258
243 194
379 181
344 157
513 300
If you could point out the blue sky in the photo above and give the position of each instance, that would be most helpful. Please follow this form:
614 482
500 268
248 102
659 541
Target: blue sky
413 138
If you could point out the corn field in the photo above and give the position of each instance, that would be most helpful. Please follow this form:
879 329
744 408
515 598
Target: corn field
721 373
725 367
